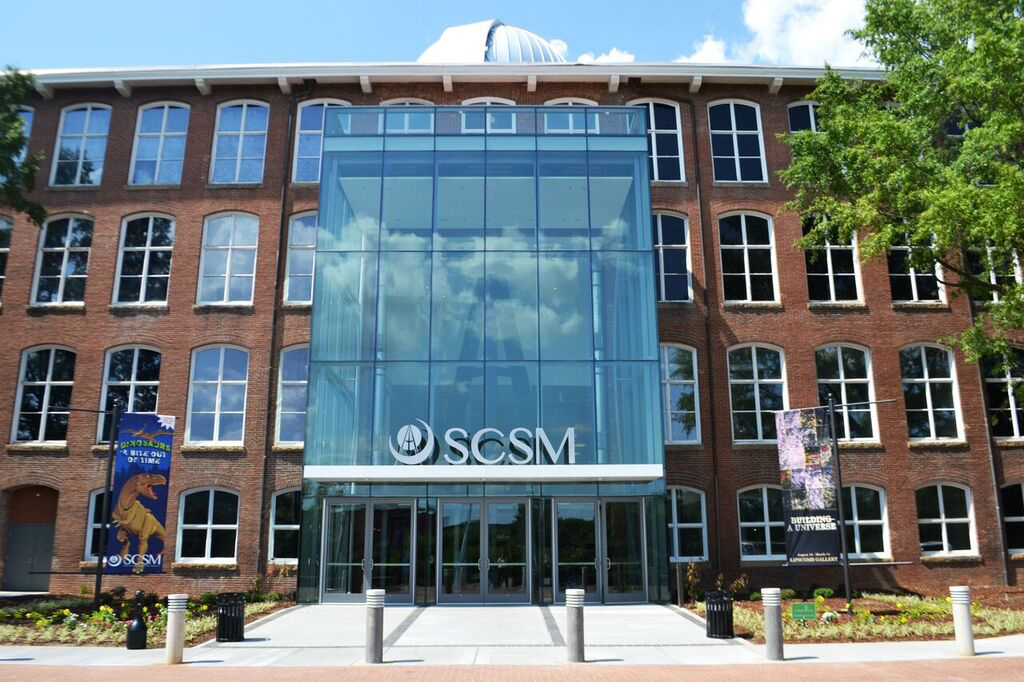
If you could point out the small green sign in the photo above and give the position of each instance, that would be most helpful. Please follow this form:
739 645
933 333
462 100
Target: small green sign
807 611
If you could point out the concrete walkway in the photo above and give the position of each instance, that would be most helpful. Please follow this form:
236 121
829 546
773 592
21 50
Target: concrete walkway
333 635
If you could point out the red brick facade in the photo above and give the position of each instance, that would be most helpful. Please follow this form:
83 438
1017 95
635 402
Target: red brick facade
717 467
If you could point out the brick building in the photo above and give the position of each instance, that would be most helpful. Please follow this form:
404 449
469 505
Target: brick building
177 265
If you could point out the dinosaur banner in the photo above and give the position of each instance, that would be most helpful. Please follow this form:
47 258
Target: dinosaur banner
138 508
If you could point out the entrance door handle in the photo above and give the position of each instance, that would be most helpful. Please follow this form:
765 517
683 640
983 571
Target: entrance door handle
607 563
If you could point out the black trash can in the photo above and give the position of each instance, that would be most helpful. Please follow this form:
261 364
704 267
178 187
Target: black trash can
230 617
719 615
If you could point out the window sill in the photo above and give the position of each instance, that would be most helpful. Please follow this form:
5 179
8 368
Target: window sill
137 308
290 447
861 445
213 448
89 565
1016 555
76 308
100 449
669 183
309 185
684 560
684 446
675 304
837 305
134 188
951 559
297 307
235 185
759 446
71 188
1008 442
738 183
922 306
938 445
752 305
37 448
763 561
240 308
185 566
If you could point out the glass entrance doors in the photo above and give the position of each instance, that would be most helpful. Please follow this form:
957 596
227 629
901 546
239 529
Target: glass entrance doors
368 544
484 549
599 547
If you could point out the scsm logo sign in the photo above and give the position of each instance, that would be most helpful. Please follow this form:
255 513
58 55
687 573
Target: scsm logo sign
115 560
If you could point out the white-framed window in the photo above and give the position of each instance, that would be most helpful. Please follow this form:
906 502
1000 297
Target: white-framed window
832 272
491 121
144 265
81 145
665 137
94 526
906 284
45 380
27 115
1012 497
301 264
208 526
159 152
737 150
131 377
762 526
679 394
757 390
309 138
945 520
672 257
867 525
1002 396
228 268
409 121
844 372
291 395
6 228
62 264
285 513
930 395
803 116
747 245
216 395
240 143
688 525
570 122
999 267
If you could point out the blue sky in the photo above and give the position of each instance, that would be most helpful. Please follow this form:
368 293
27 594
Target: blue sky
72 33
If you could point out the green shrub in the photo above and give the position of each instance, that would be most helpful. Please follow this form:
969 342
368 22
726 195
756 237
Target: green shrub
208 598
787 593
824 592
755 595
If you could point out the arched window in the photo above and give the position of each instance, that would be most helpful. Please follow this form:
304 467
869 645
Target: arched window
679 394
144 263
227 272
930 395
762 526
94 526
867 526
757 389
216 400
291 395
747 244
301 263
62 264
6 227
44 395
159 151
131 376
409 121
945 520
491 121
672 257
81 146
1013 516
309 138
570 122
687 525
1005 409
737 150
665 137
844 372
208 526
240 142
803 116
285 512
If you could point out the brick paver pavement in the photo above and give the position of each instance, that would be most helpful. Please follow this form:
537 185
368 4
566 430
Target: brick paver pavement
980 668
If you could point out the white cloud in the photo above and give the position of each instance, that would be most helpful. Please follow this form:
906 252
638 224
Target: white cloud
798 32
560 47
614 55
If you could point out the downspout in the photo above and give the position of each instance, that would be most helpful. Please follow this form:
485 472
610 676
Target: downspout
1004 558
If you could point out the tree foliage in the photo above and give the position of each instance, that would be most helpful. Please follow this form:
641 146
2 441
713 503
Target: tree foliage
933 154
17 178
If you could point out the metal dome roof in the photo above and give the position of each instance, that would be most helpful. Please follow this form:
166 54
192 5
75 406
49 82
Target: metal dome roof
490 41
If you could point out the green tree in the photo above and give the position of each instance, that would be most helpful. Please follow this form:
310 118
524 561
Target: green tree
17 178
933 154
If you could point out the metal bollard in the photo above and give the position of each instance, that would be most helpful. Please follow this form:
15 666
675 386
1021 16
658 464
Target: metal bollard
175 646
375 626
771 599
961 596
574 624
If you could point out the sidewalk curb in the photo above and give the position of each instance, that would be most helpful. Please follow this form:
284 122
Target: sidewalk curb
256 623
